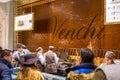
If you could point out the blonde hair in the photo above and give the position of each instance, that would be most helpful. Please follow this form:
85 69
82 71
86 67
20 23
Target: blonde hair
29 73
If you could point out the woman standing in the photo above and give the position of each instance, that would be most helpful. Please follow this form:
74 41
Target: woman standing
41 59
109 58
29 70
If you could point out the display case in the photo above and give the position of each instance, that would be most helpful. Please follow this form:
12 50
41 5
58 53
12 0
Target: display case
47 76
52 77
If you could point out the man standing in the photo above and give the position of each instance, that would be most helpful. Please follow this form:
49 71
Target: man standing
51 60
19 54
6 68
83 71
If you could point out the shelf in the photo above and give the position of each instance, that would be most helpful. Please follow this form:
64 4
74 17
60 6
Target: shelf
35 4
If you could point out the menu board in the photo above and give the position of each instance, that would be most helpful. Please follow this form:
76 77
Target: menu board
24 22
112 11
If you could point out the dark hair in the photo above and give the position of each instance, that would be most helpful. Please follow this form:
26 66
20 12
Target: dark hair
0 52
87 55
5 52
0 48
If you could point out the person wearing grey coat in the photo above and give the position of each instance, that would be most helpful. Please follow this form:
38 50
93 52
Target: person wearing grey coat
107 72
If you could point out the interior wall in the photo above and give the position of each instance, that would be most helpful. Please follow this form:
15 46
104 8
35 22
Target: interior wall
112 31
6 25
71 24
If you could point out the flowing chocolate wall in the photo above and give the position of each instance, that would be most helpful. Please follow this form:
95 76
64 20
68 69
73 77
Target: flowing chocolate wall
71 24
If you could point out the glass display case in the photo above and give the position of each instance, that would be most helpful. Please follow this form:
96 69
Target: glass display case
52 77
46 75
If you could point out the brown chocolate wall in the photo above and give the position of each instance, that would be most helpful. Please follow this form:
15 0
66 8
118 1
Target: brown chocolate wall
71 23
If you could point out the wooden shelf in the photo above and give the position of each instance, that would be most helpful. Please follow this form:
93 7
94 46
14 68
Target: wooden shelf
35 4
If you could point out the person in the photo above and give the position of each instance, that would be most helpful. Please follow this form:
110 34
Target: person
41 59
85 70
51 61
109 58
107 72
64 55
6 68
29 71
19 54
57 52
25 49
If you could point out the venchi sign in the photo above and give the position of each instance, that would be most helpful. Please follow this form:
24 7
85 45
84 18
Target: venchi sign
64 33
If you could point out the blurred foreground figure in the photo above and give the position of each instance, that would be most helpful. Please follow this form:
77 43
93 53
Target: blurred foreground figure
29 70
107 72
6 68
85 70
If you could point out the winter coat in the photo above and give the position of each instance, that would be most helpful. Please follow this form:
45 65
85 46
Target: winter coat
84 71
33 74
107 72
51 62
6 69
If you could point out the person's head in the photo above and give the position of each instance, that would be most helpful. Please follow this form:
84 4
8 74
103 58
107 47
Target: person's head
19 47
24 47
28 68
39 50
86 55
51 48
109 57
30 60
7 54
